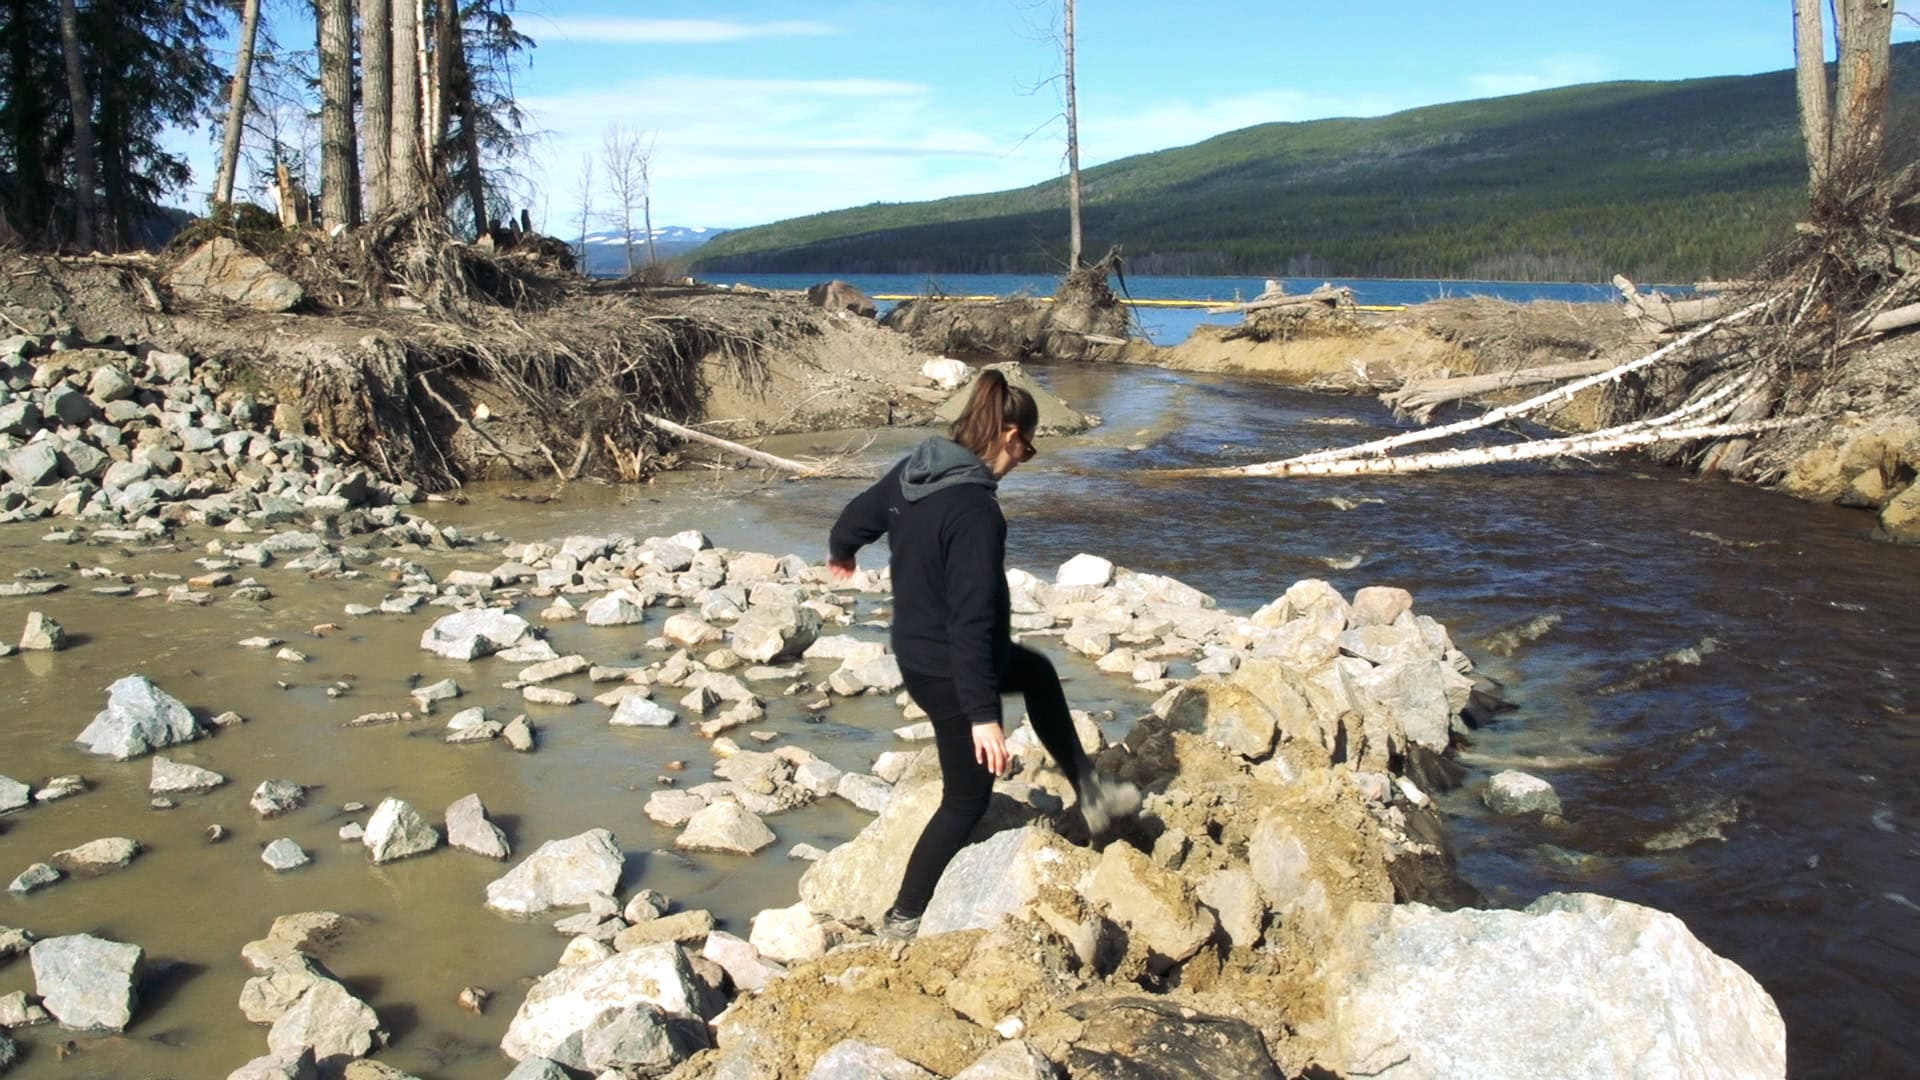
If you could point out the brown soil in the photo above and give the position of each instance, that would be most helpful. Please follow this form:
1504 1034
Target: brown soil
562 381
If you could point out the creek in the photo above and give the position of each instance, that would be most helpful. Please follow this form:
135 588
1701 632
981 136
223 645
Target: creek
1716 679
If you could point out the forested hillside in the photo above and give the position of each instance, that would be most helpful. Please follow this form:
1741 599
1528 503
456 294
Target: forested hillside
1660 180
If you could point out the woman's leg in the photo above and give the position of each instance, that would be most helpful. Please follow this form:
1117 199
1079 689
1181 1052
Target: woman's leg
1033 676
965 788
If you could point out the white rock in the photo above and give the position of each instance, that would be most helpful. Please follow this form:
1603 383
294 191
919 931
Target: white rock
397 831
724 826
615 609
86 982
1575 985
139 719
469 830
741 961
560 873
853 1060
1514 792
283 855
789 935
869 793
1084 569
567 1000
14 795
178 778
469 635
328 1020
635 710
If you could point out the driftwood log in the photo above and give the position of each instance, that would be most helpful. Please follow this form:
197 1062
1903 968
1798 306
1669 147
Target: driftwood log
1328 296
1418 398
1669 314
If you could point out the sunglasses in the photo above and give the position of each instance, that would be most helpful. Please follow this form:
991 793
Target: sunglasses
1026 445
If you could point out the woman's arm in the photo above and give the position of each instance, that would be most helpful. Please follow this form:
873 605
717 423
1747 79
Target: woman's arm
861 522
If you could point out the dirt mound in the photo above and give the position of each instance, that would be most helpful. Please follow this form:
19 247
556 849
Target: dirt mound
560 385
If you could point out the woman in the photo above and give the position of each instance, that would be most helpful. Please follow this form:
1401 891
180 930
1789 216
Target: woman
951 625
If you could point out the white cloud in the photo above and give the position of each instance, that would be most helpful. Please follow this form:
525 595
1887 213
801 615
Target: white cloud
618 30
1562 69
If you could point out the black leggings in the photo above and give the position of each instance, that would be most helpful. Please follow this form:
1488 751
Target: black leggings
966 785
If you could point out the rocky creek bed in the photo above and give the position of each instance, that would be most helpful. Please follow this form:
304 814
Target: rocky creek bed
1282 903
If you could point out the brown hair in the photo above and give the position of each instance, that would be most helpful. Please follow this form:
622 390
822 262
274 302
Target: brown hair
994 404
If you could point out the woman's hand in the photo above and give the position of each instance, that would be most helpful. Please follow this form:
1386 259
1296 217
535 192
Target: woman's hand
990 748
839 570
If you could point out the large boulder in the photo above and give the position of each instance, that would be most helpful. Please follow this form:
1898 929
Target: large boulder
86 982
1153 903
470 635
469 830
139 719
566 1001
1141 1037
328 1021
772 632
1575 985
560 873
396 831
724 826
1511 791
837 295
1001 876
222 270
1056 416
851 1059
858 879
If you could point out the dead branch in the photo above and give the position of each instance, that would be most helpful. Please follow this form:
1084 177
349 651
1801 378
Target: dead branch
786 465
1607 441
1562 393
1419 398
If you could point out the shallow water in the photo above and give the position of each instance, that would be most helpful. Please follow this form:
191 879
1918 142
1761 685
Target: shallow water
1723 704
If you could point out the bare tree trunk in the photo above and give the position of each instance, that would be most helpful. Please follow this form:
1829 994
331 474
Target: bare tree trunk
423 74
1073 154
469 131
82 105
1810 82
446 57
1860 105
586 205
646 201
406 186
237 105
376 98
336 112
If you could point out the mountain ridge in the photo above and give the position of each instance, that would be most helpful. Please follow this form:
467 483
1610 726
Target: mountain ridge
1670 180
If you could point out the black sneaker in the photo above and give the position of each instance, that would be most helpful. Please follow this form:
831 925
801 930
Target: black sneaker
898 926
1103 798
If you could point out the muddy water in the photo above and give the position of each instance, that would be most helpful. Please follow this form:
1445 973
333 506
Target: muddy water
1717 681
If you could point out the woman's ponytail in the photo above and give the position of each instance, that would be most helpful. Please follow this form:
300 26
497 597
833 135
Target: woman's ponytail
994 404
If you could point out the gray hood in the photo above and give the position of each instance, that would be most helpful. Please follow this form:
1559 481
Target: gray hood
941 463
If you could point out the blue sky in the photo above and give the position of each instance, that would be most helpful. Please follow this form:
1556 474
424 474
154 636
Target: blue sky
761 110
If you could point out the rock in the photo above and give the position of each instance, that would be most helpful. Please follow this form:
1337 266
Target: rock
869 793
34 465
1576 984
19 418
275 797
1400 702
724 826
1514 792
1139 1036
1235 898
850 1059
767 633
633 1040
519 734
689 631
538 1068
328 1021
283 855
61 787
469 635
397 830
1011 1060
14 795
1151 902
13 942
567 1001
790 935
687 928
1226 713
86 982
221 269
743 963
1900 518
946 372
9 1052
38 876
426 697
635 710
97 856
302 934
139 719
271 1067
673 807
560 873
998 877
469 830
1084 569
615 609
42 634
171 777
837 295
1377 605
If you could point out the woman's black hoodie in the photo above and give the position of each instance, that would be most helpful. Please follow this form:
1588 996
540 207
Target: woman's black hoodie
949 551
